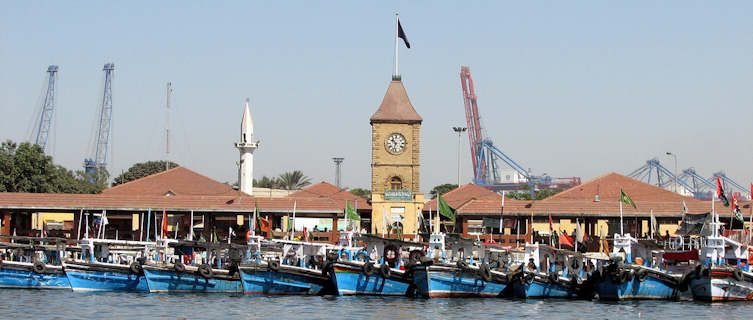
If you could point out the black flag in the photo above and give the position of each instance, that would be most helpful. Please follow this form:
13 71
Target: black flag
401 34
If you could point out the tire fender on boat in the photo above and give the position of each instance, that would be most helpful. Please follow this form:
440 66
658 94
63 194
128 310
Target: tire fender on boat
369 269
205 271
179 267
738 274
273 265
484 272
385 271
641 275
39 267
136 268
462 265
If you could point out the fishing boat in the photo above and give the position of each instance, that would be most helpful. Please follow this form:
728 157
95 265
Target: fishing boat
109 265
636 272
380 268
441 276
547 272
195 266
724 273
301 269
33 263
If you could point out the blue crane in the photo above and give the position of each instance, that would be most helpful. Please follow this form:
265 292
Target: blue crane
102 141
48 109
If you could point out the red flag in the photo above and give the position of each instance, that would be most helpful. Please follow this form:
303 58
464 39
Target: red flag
566 240
164 223
551 225
720 192
734 202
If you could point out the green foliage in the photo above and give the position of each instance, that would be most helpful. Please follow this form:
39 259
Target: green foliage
25 168
266 182
141 170
363 193
541 194
442 189
293 180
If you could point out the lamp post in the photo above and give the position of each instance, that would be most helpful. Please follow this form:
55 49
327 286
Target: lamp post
460 131
674 156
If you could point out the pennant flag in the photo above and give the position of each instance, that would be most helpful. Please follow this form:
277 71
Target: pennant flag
401 34
720 192
444 209
624 198
351 213
565 239
551 225
579 236
164 223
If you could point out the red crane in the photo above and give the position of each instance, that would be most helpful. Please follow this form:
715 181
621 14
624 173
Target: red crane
472 118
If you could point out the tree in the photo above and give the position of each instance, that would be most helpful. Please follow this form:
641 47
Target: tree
442 189
363 193
141 170
267 182
25 168
539 195
293 180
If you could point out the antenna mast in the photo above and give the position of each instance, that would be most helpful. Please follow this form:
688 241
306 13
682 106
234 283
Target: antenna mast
167 127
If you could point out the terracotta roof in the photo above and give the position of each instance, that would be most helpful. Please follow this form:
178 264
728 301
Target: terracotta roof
327 190
396 106
460 195
494 207
608 188
178 181
60 201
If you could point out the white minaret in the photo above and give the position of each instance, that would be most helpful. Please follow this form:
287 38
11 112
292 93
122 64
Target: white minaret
246 147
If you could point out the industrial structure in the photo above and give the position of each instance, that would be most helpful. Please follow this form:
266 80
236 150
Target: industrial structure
48 109
688 183
485 156
98 159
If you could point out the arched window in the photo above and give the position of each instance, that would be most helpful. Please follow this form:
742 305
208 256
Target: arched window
396 183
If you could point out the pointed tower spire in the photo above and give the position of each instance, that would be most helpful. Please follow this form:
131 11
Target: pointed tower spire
246 147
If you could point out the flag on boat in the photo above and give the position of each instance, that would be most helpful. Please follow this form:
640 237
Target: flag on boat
164 223
565 239
736 210
655 225
551 225
444 209
580 236
684 207
401 33
720 192
624 198
350 212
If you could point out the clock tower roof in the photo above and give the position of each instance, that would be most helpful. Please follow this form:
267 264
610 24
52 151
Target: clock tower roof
396 106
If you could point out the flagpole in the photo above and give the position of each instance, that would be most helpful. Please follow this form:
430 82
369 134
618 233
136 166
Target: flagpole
190 232
397 20
295 206
621 228
345 215
148 222
431 223
577 225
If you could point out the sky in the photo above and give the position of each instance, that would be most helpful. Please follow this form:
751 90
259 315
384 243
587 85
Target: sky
566 88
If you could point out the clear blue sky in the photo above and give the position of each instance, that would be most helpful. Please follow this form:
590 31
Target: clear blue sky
565 88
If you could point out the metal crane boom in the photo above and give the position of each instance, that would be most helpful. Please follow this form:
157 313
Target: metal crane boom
99 159
48 109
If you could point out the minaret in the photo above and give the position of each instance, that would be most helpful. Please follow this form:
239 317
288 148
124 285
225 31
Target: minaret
246 146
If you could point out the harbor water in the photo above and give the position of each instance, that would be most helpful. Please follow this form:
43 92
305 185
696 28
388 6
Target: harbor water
61 304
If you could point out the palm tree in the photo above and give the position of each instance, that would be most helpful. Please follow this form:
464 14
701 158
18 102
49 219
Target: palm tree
293 180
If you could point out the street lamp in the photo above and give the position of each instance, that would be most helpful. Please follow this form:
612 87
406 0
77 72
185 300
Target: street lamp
460 131
674 156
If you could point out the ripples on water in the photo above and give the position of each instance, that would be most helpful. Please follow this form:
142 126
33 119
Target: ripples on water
30 304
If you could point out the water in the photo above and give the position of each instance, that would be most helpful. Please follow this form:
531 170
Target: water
25 304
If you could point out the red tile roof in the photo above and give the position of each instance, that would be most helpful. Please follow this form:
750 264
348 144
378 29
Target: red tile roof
178 181
396 106
608 188
460 195
327 190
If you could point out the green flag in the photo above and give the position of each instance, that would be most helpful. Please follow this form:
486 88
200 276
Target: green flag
256 216
351 213
444 208
624 198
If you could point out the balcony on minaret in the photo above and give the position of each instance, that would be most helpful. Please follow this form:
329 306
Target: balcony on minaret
246 147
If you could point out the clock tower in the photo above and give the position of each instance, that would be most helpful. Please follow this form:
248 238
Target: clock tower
396 199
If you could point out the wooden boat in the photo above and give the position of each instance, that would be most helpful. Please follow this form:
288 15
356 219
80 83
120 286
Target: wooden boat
33 263
109 265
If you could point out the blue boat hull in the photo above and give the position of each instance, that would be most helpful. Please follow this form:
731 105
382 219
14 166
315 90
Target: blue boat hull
23 279
649 289
81 280
171 281
351 281
536 289
446 284
281 283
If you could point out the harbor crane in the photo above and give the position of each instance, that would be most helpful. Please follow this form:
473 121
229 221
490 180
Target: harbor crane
48 109
485 156
98 159
689 182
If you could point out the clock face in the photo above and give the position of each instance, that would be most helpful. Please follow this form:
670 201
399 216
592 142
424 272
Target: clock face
395 143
